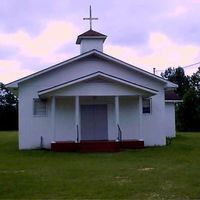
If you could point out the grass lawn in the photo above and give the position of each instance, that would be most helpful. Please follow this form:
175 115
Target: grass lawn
171 172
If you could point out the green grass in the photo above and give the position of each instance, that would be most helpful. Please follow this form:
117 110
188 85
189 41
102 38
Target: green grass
171 172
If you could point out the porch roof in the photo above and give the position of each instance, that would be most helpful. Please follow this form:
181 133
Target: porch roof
98 74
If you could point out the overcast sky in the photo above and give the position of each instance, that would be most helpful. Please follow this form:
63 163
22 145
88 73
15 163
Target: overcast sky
35 34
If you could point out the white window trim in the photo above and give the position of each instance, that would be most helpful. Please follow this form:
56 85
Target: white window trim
147 113
46 108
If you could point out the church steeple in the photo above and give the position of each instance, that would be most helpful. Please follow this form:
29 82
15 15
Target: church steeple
91 39
90 18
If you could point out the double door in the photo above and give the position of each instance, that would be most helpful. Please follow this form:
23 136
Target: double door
94 122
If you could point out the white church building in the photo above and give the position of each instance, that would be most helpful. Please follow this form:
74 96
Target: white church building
93 102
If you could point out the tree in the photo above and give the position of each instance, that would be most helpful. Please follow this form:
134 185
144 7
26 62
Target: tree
187 113
8 109
195 81
177 76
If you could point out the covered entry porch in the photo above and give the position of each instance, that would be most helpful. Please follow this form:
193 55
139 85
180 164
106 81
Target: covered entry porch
96 123
97 112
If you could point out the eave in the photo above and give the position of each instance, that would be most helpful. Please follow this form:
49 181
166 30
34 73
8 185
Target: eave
173 101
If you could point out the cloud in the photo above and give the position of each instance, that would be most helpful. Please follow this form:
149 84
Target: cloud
31 15
7 52
178 11
11 70
181 22
160 52
26 53
55 35
153 33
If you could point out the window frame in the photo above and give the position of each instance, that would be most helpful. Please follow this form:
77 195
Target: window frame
39 113
145 109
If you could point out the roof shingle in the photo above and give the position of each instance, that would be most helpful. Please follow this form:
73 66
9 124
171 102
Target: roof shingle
90 33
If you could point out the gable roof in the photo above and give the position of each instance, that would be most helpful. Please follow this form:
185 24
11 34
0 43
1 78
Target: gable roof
97 53
98 74
90 34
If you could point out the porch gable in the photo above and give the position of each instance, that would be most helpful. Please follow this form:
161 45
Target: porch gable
98 84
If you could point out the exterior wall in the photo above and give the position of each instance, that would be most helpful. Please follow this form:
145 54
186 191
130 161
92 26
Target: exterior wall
90 44
30 133
129 117
65 129
87 66
129 120
32 128
170 127
153 124
65 119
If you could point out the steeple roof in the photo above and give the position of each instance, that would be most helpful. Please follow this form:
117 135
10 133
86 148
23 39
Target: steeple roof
90 34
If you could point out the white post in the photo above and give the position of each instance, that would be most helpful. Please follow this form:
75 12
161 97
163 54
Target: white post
77 117
140 116
53 111
117 111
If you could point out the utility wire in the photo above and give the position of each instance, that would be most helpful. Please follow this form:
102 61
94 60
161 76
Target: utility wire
186 66
191 65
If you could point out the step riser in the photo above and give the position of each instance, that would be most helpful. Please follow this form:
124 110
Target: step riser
96 146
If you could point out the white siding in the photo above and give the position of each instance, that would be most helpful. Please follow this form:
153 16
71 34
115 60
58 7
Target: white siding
87 66
32 128
129 117
90 44
65 119
170 128
153 124
97 89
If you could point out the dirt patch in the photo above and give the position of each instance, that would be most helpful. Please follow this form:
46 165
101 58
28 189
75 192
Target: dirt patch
146 169
121 179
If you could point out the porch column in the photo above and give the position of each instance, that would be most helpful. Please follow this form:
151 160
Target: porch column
53 111
140 116
77 117
117 116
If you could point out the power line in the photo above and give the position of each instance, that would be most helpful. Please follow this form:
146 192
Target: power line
186 66
191 65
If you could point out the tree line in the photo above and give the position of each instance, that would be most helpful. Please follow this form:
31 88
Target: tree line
188 112
8 109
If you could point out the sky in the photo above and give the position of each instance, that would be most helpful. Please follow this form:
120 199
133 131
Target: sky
35 34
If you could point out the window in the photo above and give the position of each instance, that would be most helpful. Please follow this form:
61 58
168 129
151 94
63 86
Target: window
146 105
39 107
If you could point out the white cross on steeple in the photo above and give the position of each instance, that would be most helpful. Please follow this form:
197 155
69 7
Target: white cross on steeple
90 18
